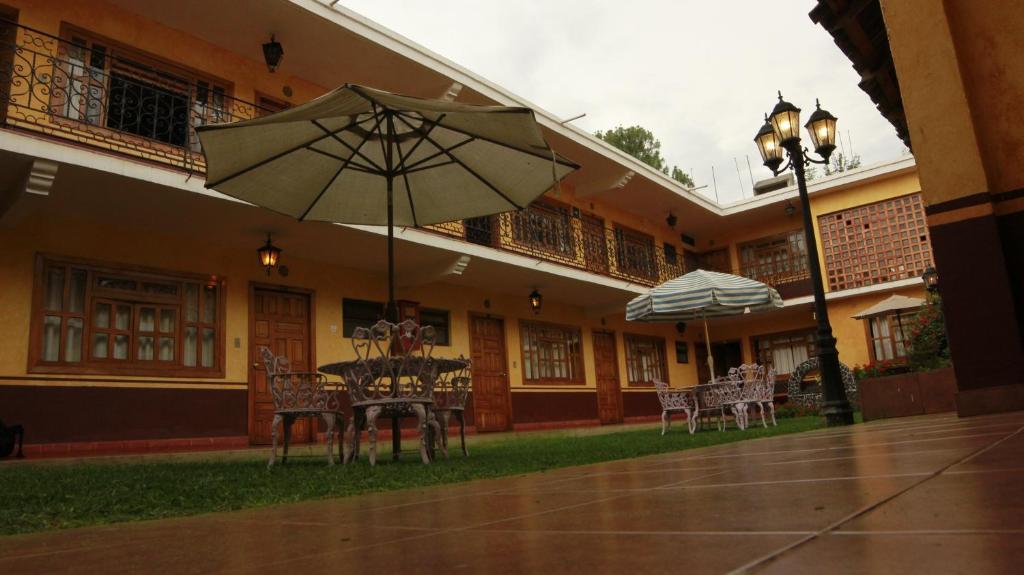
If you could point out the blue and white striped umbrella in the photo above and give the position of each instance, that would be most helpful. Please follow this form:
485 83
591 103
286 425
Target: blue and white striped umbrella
702 294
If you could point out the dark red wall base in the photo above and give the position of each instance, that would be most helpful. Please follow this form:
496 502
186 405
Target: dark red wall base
996 399
908 394
91 414
976 280
551 406
641 405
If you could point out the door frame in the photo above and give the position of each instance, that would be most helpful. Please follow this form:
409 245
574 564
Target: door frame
504 358
618 373
310 327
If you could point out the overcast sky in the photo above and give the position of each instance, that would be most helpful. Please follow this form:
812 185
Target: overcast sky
700 74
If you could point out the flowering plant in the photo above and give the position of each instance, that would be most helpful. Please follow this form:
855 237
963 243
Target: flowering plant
927 348
881 369
796 409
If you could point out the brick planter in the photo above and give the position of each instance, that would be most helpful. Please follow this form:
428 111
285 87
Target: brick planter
908 394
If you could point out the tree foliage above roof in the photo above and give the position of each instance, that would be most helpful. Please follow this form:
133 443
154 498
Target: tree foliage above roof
640 143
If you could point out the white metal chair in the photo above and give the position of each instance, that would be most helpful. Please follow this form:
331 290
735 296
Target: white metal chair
756 388
393 377
674 401
299 394
716 396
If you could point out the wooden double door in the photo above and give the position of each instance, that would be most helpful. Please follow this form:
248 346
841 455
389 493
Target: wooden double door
281 321
606 368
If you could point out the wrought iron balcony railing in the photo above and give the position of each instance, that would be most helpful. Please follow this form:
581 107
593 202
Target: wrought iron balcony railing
569 238
80 90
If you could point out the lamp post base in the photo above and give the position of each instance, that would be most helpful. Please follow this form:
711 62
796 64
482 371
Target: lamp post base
838 413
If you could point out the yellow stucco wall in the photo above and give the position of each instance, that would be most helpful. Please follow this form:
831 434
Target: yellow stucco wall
44 233
961 75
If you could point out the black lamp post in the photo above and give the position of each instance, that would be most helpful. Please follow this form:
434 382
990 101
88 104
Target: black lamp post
781 131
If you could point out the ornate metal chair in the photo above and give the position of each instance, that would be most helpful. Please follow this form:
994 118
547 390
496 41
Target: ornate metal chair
450 393
716 396
299 394
674 401
393 376
756 388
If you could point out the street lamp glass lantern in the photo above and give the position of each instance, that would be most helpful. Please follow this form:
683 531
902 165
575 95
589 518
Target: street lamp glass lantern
768 144
785 119
822 129
931 279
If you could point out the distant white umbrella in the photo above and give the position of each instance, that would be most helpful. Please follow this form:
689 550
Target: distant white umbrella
701 294
364 156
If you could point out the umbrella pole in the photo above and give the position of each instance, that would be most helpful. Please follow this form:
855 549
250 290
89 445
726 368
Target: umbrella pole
707 342
392 309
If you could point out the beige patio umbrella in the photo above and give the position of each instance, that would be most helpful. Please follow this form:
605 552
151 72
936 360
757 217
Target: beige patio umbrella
895 304
358 155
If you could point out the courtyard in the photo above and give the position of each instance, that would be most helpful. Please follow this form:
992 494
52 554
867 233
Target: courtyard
924 494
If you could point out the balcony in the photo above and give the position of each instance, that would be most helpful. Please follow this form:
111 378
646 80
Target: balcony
562 235
77 90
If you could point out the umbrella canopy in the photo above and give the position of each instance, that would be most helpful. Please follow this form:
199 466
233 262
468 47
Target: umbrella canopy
363 156
891 304
332 159
702 294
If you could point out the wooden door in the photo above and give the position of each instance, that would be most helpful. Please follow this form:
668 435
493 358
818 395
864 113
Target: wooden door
491 396
281 321
606 366
727 354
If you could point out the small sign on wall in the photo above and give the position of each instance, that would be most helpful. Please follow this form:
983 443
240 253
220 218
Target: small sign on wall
682 352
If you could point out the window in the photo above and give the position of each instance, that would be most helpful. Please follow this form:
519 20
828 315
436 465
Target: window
875 243
102 84
105 319
784 351
671 258
551 353
645 359
359 313
544 226
886 336
777 259
635 253
715 261
439 320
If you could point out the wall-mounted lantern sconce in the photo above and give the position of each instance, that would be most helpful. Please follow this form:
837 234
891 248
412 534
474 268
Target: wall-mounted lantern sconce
671 220
536 301
273 53
269 255
680 327
790 209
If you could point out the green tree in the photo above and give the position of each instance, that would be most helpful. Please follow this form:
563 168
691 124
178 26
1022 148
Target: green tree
841 163
640 143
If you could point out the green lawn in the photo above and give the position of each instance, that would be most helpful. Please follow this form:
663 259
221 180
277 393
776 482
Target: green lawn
61 494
